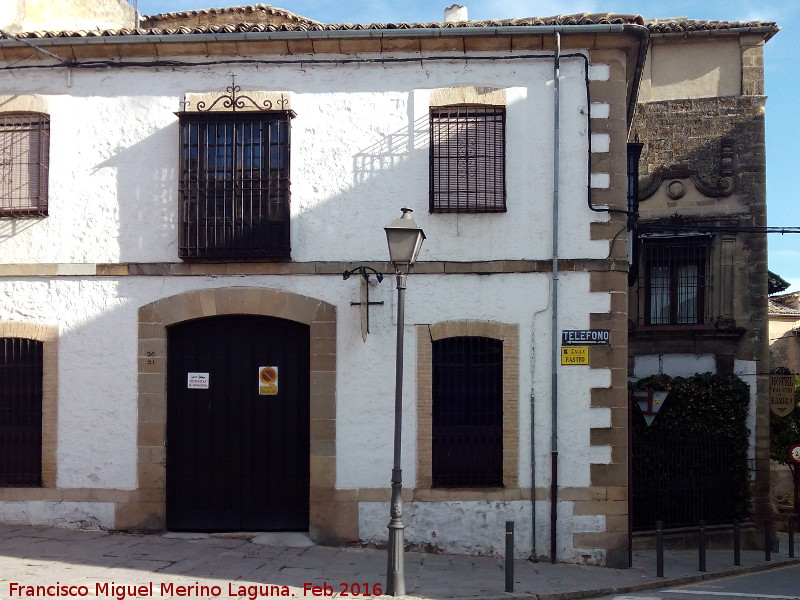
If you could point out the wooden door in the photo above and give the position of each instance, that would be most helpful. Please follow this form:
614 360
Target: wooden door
238 424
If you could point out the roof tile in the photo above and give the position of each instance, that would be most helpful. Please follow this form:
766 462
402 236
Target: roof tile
264 18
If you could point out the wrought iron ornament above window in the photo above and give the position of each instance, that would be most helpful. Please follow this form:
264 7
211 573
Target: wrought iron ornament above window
235 101
24 164
234 186
467 159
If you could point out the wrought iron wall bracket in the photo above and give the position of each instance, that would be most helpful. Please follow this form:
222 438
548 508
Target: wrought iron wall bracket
365 273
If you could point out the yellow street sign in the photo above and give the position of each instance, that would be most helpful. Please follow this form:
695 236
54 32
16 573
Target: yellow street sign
574 355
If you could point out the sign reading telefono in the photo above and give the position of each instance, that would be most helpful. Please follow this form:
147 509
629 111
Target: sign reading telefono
585 337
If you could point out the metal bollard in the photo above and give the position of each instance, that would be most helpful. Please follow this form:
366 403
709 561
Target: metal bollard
791 536
509 556
701 546
737 544
768 540
659 548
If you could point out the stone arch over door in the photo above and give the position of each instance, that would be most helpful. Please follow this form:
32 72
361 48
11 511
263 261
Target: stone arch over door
145 508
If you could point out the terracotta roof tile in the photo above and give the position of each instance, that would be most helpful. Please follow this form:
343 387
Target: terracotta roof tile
779 308
237 13
685 25
264 18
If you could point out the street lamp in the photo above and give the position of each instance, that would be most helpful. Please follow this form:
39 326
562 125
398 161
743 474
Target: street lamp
405 239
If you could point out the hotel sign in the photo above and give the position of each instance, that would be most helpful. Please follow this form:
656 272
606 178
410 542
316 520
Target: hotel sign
781 394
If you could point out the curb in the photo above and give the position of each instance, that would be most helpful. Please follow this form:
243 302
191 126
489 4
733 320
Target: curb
627 589
662 583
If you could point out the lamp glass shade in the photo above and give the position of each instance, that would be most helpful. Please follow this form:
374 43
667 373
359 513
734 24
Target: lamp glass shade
404 238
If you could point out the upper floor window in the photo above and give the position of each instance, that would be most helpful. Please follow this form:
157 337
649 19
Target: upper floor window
234 185
21 372
467 156
676 282
467 412
24 162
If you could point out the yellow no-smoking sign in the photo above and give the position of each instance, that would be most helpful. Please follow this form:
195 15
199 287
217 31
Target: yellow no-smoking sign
267 381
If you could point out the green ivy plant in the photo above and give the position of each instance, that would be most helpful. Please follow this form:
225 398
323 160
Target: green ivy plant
704 403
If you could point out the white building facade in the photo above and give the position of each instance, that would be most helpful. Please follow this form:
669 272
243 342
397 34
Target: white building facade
150 280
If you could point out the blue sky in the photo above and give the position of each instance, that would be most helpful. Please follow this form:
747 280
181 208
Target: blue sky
782 70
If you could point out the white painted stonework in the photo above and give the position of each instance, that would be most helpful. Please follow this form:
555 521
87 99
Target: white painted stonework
674 365
476 528
72 515
359 152
747 370
114 163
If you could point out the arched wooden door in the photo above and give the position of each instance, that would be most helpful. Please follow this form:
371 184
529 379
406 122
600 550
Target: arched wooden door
238 424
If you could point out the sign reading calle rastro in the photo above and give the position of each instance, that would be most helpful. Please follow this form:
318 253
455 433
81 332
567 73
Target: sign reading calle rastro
574 355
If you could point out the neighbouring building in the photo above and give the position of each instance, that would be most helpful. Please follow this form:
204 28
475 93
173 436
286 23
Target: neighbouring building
179 204
784 351
784 321
698 300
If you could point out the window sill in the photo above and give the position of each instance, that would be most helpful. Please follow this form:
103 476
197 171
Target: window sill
22 214
235 259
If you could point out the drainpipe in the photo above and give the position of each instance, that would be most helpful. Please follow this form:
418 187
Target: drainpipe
554 332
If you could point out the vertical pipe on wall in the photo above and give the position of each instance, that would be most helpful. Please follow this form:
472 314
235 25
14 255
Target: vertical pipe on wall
554 331
532 400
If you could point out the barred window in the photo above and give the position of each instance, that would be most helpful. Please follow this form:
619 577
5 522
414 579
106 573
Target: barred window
234 187
467 159
467 444
24 164
20 412
676 281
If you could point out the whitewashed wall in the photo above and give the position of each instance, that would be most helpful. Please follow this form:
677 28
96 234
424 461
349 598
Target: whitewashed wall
359 153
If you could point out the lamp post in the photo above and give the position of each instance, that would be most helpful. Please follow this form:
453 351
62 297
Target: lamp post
405 239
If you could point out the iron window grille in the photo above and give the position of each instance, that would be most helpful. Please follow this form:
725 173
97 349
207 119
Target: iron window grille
24 164
467 428
234 186
20 412
467 159
675 288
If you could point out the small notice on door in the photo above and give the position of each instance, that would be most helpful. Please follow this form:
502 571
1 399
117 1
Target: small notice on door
197 381
267 381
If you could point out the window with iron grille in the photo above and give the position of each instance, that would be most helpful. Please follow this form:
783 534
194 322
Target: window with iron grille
20 412
467 159
234 186
467 444
676 286
24 162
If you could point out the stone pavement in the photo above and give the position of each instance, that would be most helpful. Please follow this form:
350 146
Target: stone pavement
105 565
